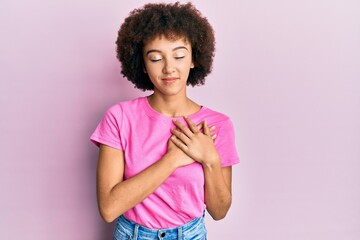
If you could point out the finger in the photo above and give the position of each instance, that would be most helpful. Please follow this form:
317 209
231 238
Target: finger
183 128
200 127
192 125
214 136
178 143
206 129
180 136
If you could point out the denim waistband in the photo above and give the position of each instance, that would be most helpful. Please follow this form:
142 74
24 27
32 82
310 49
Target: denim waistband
127 229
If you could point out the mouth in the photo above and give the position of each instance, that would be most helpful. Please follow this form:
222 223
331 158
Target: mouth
169 79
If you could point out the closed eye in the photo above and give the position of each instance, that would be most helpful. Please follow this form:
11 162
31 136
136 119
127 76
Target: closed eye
179 57
155 60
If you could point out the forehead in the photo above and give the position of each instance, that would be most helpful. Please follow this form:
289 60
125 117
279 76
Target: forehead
160 42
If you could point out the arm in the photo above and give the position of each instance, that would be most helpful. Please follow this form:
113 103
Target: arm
200 146
116 196
217 190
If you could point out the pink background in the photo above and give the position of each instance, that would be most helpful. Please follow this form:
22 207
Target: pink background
286 72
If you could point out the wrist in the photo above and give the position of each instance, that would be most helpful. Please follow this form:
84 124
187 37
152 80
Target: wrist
170 159
212 163
177 158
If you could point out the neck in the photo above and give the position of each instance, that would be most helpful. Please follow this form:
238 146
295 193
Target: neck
173 106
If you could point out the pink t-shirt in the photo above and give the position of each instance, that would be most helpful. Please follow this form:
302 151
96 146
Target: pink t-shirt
142 133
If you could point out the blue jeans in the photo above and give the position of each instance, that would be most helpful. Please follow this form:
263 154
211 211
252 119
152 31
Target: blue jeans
129 230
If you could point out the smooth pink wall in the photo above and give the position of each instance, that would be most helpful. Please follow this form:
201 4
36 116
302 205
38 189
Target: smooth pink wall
286 72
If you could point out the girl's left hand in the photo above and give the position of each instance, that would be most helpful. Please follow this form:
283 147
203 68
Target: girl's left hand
197 144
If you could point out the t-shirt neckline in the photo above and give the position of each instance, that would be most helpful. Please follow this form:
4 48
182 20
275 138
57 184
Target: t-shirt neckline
155 114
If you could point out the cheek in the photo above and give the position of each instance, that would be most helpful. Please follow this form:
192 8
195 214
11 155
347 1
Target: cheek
153 69
190 63
153 74
186 66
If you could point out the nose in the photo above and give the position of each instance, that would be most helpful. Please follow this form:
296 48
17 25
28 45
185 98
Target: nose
168 67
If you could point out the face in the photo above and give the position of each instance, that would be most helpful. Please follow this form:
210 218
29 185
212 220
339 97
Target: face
168 63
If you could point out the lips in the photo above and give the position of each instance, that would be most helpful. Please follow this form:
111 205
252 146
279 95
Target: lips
169 79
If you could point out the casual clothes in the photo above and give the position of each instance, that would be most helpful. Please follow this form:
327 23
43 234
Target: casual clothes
127 229
142 134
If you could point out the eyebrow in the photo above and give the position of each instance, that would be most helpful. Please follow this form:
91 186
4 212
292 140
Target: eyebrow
177 48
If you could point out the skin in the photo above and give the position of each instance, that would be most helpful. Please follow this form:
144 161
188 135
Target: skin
168 63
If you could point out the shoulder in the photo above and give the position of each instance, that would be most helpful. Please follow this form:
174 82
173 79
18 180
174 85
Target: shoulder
221 121
126 106
214 117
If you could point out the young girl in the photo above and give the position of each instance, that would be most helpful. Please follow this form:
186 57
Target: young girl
164 159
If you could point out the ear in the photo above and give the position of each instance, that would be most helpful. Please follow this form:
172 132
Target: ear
192 65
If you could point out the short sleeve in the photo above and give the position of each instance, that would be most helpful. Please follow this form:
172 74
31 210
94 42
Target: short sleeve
108 130
225 144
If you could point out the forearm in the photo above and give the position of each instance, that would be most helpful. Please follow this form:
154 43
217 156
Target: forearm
126 194
217 191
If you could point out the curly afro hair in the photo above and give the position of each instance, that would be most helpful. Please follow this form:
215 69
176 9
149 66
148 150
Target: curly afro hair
174 21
